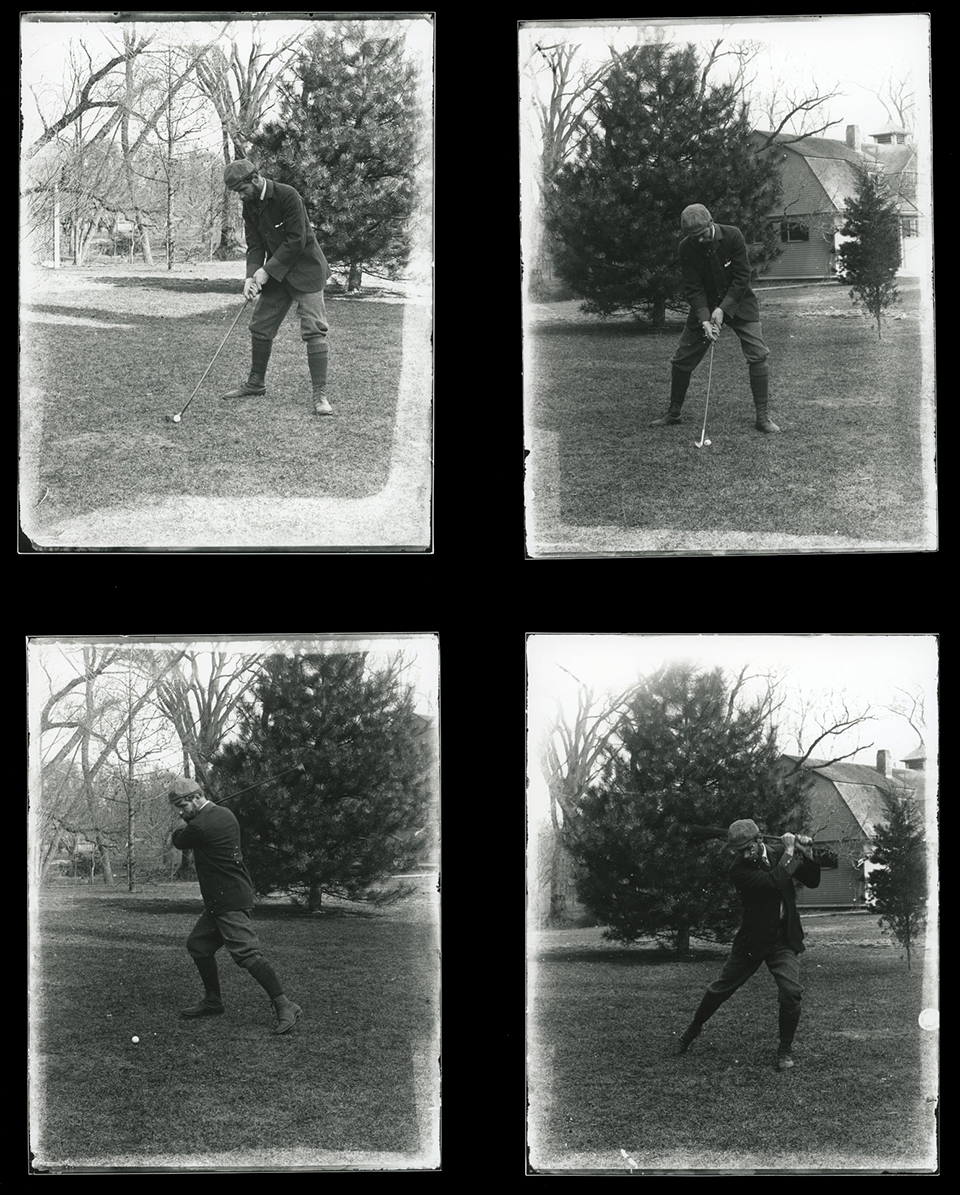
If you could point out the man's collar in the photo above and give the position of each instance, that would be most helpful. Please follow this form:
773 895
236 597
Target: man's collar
263 193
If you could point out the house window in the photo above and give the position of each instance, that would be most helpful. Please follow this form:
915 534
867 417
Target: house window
792 231
910 226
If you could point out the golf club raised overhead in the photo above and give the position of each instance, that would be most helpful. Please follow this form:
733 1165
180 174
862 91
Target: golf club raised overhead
176 418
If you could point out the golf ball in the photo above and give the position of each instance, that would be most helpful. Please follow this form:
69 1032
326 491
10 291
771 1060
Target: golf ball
706 441
176 419
134 1039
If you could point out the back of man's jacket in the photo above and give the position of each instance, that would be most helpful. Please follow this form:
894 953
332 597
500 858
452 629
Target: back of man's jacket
213 835
761 890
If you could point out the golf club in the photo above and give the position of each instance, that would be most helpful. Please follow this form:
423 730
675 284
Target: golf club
697 833
176 418
260 783
702 440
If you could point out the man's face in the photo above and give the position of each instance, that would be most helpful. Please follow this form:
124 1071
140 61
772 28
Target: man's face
753 850
705 237
250 188
189 807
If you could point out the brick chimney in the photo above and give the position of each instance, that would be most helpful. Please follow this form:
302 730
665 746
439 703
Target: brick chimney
885 764
853 136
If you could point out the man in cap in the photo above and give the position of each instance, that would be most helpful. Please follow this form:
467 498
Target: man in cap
213 834
716 280
770 931
285 265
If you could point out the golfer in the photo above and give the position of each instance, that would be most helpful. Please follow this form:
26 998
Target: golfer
213 834
716 281
770 931
284 266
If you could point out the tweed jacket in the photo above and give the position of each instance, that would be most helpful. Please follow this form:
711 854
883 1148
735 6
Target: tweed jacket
214 837
280 227
761 889
718 275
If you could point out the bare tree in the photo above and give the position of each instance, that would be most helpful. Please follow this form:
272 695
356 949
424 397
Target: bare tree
200 699
830 720
571 756
910 706
240 91
897 97
80 98
785 104
85 706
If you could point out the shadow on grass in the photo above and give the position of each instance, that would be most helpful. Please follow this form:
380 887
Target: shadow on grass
601 331
216 315
190 286
260 912
628 958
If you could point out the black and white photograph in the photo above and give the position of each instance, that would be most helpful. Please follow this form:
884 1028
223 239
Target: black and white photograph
727 295
226 282
732 948
234 910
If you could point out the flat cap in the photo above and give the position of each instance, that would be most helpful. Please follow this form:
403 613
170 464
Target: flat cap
236 172
742 832
694 219
182 787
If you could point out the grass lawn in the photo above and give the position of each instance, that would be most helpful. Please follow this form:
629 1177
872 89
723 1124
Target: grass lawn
352 1084
603 1078
107 353
848 465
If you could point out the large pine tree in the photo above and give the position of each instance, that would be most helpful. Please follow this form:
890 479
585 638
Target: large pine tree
357 813
663 138
347 138
871 258
691 755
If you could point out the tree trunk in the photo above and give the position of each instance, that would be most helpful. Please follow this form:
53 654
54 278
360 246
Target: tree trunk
683 938
659 312
353 279
314 898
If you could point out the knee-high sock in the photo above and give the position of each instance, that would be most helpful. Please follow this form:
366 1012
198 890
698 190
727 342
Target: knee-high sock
209 975
789 1019
265 975
708 1006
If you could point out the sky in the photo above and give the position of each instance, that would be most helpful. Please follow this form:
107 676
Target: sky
839 52
867 669
60 655
46 44
845 54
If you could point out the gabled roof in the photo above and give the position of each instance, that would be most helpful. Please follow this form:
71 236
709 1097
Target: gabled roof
867 805
917 753
844 773
815 147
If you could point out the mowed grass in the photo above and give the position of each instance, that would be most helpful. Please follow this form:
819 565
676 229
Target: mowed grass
848 462
105 389
603 1077
347 1081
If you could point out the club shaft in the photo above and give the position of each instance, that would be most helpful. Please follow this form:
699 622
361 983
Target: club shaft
213 358
706 406
259 784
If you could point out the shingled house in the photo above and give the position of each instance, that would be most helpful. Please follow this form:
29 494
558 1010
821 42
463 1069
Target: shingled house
847 802
819 176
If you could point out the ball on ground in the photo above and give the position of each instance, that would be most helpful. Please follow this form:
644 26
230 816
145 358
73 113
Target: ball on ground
134 1039
706 441
176 419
